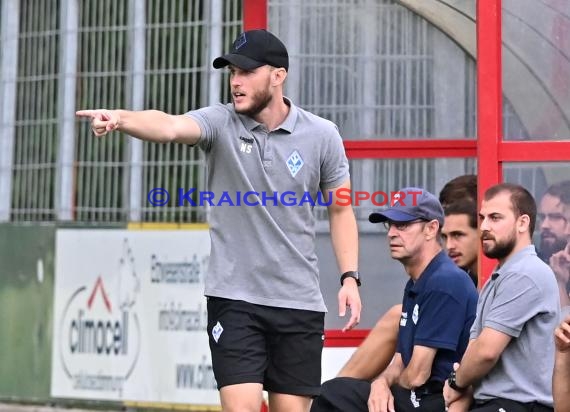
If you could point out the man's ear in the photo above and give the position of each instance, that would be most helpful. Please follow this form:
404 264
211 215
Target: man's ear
432 227
278 76
523 223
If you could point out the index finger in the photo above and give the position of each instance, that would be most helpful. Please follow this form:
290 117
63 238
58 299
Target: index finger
353 321
86 113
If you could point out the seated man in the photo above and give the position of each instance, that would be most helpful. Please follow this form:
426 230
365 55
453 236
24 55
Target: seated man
458 190
509 361
461 238
438 309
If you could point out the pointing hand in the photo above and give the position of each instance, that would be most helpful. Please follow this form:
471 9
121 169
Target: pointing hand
102 120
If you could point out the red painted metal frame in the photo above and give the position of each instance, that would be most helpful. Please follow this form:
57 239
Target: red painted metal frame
489 105
254 14
339 339
408 149
535 151
504 151
489 148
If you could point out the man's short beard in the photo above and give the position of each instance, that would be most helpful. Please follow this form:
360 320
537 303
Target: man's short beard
260 102
547 250
501 249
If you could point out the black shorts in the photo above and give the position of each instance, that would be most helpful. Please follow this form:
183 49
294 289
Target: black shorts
278 347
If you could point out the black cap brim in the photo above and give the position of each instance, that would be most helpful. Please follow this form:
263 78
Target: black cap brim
238 60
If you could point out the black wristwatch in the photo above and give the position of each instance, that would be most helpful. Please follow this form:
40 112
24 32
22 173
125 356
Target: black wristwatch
350 274
452 382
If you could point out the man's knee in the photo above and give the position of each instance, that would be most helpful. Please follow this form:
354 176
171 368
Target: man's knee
324 402
332 387
394 314
342 394
390 321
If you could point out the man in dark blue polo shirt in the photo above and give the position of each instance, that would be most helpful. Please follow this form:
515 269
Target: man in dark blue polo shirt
439 306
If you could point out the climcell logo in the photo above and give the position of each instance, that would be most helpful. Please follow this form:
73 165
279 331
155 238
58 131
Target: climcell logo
100 330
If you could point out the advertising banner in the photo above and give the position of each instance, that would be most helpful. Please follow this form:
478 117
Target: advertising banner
130 317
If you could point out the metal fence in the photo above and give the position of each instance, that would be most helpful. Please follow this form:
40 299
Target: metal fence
371 66
102 53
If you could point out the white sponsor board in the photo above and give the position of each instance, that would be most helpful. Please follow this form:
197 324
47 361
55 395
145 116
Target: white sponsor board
130 317
333 360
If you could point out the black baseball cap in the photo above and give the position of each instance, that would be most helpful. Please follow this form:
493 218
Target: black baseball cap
253 49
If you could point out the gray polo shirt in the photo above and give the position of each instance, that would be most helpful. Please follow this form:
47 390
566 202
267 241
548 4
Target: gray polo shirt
521 300
263 235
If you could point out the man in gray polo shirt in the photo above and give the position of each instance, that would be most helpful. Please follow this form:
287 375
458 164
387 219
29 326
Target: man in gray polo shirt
267 161
508 363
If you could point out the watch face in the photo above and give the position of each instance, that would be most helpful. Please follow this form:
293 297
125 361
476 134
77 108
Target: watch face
453 384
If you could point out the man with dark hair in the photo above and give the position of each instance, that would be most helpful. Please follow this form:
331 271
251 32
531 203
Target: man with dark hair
460 236
554 218
459 189
437 312
508 363
553 222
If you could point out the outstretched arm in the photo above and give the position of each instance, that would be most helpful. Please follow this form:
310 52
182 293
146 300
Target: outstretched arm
150 125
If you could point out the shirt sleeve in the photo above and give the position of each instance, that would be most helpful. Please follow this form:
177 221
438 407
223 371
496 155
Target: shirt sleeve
441 321
334 164
212 120
516 300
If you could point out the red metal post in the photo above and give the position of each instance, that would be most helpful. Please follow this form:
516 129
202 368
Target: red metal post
534 151
339 339
254 14
489 104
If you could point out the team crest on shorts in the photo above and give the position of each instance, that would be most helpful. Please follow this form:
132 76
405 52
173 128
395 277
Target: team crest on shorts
217 331
295 163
